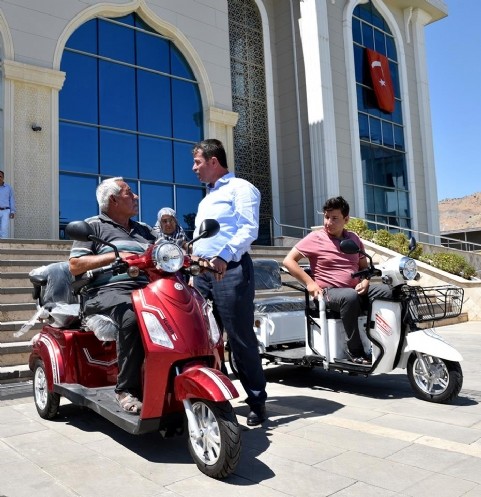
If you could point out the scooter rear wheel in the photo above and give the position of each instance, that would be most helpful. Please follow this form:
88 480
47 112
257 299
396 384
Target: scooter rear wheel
46 402
217 451
442 382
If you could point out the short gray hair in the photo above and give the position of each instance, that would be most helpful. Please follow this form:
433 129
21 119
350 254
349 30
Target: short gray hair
107 188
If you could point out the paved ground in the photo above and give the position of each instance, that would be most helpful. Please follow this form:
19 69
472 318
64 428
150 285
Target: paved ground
327 435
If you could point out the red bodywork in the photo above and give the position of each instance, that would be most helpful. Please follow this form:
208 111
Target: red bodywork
191 369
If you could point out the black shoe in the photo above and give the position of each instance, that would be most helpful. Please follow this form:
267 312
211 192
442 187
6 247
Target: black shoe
257 415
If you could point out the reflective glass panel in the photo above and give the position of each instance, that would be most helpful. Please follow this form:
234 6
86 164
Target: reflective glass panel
154 103
117 96
78 148
187 202
116 42
152 198
77 197
152 52
155 159
183 162
78 96
84 38
188 116
118 153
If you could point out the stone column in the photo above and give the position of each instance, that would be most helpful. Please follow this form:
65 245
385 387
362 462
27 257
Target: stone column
220 124
31 157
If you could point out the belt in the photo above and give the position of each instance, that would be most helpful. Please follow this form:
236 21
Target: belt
4 208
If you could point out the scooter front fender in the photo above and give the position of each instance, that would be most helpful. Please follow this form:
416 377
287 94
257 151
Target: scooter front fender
202 382
429 342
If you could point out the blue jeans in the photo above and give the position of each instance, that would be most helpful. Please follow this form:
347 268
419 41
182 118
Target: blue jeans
233 303
349 304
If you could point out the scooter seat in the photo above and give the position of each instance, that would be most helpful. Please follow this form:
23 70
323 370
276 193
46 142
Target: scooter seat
279 304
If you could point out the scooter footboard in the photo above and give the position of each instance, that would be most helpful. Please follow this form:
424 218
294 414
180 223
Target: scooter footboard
202 382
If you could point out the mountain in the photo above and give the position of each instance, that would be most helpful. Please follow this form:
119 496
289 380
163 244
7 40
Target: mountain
460 213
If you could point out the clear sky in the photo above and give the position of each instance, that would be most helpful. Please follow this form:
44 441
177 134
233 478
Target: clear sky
453 50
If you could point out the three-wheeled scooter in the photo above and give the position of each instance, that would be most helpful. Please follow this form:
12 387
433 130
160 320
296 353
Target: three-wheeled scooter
304 332
184 350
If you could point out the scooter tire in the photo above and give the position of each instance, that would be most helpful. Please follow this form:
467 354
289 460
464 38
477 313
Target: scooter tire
46 402
217 452
444 389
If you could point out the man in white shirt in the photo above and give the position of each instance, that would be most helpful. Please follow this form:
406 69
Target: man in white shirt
7 207
234 203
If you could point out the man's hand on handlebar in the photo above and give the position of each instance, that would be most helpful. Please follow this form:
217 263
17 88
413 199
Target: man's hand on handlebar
217 265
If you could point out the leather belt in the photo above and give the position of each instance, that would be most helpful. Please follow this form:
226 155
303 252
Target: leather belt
4 208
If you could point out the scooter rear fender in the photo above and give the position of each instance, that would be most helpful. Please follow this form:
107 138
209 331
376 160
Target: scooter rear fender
202 382
429 342
48 350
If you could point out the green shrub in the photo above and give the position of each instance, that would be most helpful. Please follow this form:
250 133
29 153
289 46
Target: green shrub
451 263
399 242
359 226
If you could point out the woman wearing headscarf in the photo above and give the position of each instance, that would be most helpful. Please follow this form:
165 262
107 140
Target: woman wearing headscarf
168 228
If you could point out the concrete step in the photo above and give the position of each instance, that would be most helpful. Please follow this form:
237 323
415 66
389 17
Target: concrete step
33 253
36 244
13 374
14 279
14 353
25 266
17 312
15 295
9 328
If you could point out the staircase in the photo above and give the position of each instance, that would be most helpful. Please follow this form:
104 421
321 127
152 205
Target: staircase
17 259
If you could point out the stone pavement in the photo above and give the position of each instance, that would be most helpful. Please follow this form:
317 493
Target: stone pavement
327 435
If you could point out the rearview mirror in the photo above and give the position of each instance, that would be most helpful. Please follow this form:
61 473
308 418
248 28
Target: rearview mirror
79 230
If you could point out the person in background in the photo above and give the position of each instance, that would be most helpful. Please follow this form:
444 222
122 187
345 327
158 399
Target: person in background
168 228
234 203
111 295
331 273
7 206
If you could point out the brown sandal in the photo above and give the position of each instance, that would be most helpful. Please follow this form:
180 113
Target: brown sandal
128 402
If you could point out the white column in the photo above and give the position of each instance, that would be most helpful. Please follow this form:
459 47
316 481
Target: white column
31 97
419 19
320 102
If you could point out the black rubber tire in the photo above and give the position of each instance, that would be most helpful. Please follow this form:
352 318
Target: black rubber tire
46 402
445 388
217 452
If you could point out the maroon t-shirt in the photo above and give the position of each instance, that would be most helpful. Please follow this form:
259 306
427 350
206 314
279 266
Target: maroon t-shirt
330 267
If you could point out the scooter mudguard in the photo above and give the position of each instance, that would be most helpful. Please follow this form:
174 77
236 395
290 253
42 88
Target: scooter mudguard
48 350
429 342
201 382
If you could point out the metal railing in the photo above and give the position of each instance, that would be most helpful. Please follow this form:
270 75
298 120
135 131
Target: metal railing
421 236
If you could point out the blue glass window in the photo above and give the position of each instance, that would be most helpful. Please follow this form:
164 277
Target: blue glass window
78 99
381 133
77 197
78 150
127 116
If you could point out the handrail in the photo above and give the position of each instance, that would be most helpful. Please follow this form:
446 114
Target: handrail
430 238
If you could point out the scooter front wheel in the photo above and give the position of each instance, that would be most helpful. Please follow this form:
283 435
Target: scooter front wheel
217 450
434 379
46 402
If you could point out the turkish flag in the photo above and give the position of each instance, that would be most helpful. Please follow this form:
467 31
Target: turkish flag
381 80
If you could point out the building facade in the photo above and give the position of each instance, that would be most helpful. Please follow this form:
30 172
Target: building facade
312 98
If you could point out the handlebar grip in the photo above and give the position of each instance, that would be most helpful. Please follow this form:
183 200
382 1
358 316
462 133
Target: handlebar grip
362 272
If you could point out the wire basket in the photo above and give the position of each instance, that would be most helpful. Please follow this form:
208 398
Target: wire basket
433 303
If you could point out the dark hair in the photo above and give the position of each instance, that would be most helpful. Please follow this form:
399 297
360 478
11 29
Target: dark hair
336 203
212 148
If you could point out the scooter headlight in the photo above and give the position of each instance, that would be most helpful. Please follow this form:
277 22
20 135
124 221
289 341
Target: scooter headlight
168 257
214 331
157 333
408 268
